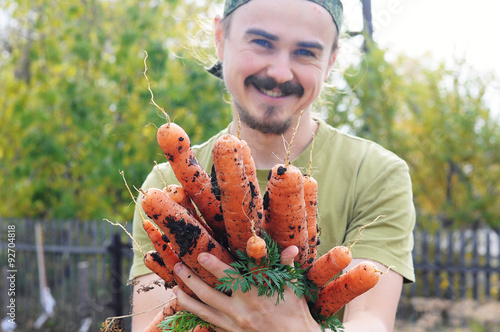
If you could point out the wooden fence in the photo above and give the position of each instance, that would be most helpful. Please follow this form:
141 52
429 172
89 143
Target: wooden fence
457 265
86 270
87 263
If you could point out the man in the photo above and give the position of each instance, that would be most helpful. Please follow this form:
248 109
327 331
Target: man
275 56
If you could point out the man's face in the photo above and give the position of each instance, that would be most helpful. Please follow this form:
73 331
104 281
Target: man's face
276 57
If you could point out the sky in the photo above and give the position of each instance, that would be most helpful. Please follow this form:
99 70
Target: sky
445 29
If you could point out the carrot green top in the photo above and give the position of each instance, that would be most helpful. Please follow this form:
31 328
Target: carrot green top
358 180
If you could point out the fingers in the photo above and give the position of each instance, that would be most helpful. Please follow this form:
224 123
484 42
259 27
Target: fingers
197 308
288 254
209 308
204 292
213 265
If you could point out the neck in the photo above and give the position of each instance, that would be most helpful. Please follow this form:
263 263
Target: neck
271 149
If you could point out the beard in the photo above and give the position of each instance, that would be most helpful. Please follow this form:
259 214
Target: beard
269 124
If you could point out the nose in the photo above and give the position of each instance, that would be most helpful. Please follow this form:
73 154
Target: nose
280 68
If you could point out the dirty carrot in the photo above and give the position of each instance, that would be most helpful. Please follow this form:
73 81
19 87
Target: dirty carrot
186 235
181 196
311 200
329 265
155 263
345 288
284 209
164 249
335 260
237 195
285 218
176 146
256 248
251 171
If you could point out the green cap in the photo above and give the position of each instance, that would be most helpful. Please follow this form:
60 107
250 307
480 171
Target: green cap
334 7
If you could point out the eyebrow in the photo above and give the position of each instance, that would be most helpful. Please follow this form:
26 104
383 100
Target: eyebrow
270 36
262 33
315 45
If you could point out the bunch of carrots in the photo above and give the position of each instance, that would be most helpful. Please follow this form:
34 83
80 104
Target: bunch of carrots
224 213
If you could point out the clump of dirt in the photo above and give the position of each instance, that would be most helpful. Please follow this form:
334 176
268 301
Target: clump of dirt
186 234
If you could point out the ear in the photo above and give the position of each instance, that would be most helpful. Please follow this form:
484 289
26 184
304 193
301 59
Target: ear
219 37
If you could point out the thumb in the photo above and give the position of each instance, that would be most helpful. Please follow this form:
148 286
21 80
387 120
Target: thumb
288 254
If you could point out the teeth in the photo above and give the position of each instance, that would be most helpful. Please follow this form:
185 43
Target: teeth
271 93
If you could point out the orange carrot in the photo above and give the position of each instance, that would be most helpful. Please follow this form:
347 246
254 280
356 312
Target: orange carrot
237 195
329 265
167 254
181 196
256 248
153 261
160 243
311 199
169 309
284 209
251 172
176 146
345 288
334 261
186 235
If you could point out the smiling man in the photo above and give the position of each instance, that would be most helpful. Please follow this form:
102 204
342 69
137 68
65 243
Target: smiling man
274 58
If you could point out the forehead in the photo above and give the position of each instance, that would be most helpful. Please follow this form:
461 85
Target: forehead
286 18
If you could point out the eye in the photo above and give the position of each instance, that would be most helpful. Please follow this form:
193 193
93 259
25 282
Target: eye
263 43
305 53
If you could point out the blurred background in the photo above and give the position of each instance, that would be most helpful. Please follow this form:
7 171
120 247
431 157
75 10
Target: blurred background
422 78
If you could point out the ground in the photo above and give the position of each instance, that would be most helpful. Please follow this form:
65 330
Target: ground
422 314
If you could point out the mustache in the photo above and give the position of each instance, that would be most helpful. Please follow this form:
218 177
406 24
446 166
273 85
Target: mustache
269 83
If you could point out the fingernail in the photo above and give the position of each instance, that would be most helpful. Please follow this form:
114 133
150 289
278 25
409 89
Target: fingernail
175 290
203 258
178 268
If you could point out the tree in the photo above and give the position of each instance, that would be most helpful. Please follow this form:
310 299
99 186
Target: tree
436 120
75 105
76 110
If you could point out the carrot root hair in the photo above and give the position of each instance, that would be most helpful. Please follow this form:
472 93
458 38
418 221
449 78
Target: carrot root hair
361 229
151 91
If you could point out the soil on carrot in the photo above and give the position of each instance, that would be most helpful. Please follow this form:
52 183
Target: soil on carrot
254 197
186 235
219 217
266 200
157 258
210 246
281 170
215 184
193 161
165 239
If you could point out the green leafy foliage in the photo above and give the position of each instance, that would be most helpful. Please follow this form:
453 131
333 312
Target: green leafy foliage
182 321
331 323
269 276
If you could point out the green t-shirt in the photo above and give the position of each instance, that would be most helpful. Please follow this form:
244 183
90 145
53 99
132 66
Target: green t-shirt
358 180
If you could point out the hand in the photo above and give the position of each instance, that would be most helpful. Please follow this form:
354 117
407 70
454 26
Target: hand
243 311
